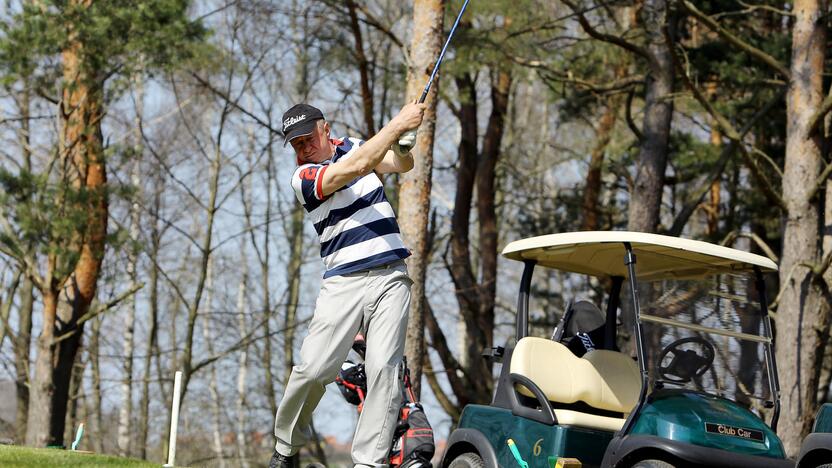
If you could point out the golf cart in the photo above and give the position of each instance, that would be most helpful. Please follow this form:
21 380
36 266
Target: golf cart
696 390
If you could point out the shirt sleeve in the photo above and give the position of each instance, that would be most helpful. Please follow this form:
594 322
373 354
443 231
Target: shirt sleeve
306 182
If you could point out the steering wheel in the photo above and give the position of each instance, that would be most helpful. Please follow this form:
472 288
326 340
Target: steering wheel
686 363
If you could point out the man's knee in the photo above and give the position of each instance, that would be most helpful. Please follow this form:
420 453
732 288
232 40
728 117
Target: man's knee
322 374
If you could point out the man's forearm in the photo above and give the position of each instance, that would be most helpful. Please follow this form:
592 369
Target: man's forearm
371 153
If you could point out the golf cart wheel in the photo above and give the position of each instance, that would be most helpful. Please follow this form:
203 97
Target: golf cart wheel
467 460
652 464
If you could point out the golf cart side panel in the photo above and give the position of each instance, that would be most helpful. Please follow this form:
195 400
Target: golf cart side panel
536 442
624 450
706 421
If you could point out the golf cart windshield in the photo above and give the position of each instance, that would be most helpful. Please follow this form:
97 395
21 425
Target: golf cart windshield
706 335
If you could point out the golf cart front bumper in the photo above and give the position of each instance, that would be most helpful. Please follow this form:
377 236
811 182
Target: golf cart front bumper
624 450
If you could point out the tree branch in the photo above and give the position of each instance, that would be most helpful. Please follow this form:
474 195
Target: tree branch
687 211
816 119
767 59
733 235
234 103
433 382
628 115
766 186
615 40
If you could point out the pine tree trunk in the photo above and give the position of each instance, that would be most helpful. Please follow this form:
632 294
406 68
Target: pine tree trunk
81 151
22 343
802 314
646 198
42 388
415 186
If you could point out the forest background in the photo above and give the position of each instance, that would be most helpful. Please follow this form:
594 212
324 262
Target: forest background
147 224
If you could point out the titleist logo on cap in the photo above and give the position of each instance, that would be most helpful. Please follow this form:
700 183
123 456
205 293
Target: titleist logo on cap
293 120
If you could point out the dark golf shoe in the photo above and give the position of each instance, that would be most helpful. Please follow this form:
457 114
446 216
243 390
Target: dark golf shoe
282 461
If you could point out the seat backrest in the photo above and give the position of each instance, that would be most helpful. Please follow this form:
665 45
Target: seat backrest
606 380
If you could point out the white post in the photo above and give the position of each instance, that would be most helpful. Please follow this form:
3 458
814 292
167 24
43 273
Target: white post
174 418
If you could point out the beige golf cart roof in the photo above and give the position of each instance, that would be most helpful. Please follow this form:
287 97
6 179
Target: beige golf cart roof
601 253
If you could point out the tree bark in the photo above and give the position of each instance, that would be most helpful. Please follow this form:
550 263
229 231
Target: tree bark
487 189
415 186
23 340
646 198
22 343
802 314
363 72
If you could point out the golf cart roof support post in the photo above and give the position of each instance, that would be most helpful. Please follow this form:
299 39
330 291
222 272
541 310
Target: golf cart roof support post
523 300
771 362
630 261
613 301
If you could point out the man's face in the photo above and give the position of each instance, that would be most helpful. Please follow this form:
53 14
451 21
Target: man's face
315 147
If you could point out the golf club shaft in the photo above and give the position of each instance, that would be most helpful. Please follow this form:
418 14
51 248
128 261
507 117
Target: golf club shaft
442 54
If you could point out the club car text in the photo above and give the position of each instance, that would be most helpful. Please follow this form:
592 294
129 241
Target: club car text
740 432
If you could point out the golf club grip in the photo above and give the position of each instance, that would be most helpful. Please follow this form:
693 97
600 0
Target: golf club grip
403 143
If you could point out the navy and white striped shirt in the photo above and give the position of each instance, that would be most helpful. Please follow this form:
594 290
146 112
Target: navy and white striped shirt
356 225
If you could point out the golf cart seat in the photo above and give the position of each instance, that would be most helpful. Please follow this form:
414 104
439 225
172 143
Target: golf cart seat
597 390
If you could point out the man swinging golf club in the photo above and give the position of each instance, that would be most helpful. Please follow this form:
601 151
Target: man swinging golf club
365 287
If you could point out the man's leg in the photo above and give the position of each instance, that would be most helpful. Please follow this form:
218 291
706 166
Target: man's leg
338 315
386 324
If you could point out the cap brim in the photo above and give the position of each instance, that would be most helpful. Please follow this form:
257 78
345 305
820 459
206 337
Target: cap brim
303 129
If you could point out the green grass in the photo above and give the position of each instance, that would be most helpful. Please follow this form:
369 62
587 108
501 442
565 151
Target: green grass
12 456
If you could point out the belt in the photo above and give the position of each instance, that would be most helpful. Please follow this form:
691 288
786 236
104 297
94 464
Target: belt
390 265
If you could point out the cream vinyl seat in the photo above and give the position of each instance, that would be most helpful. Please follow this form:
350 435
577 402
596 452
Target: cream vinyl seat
605 380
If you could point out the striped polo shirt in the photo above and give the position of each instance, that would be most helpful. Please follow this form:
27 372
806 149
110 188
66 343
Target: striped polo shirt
356 225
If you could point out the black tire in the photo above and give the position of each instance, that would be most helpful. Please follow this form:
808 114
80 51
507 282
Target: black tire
652 464
467 460
825 465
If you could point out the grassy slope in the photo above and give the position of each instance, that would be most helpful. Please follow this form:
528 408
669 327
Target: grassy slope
13 457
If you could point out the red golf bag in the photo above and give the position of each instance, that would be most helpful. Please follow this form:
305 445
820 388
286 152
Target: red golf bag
413 444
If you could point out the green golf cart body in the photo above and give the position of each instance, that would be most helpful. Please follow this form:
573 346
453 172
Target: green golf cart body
602 406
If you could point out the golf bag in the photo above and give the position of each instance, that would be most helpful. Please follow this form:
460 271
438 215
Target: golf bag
413 444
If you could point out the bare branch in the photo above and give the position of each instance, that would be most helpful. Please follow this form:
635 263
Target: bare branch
733 235
816 119
628 115
767 187
615 40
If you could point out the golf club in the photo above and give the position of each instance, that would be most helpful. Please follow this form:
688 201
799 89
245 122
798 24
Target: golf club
442 54
404 141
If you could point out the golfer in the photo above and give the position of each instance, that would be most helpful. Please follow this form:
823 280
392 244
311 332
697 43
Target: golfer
365 286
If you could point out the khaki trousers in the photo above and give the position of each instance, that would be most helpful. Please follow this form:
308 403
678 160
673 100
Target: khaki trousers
377 303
